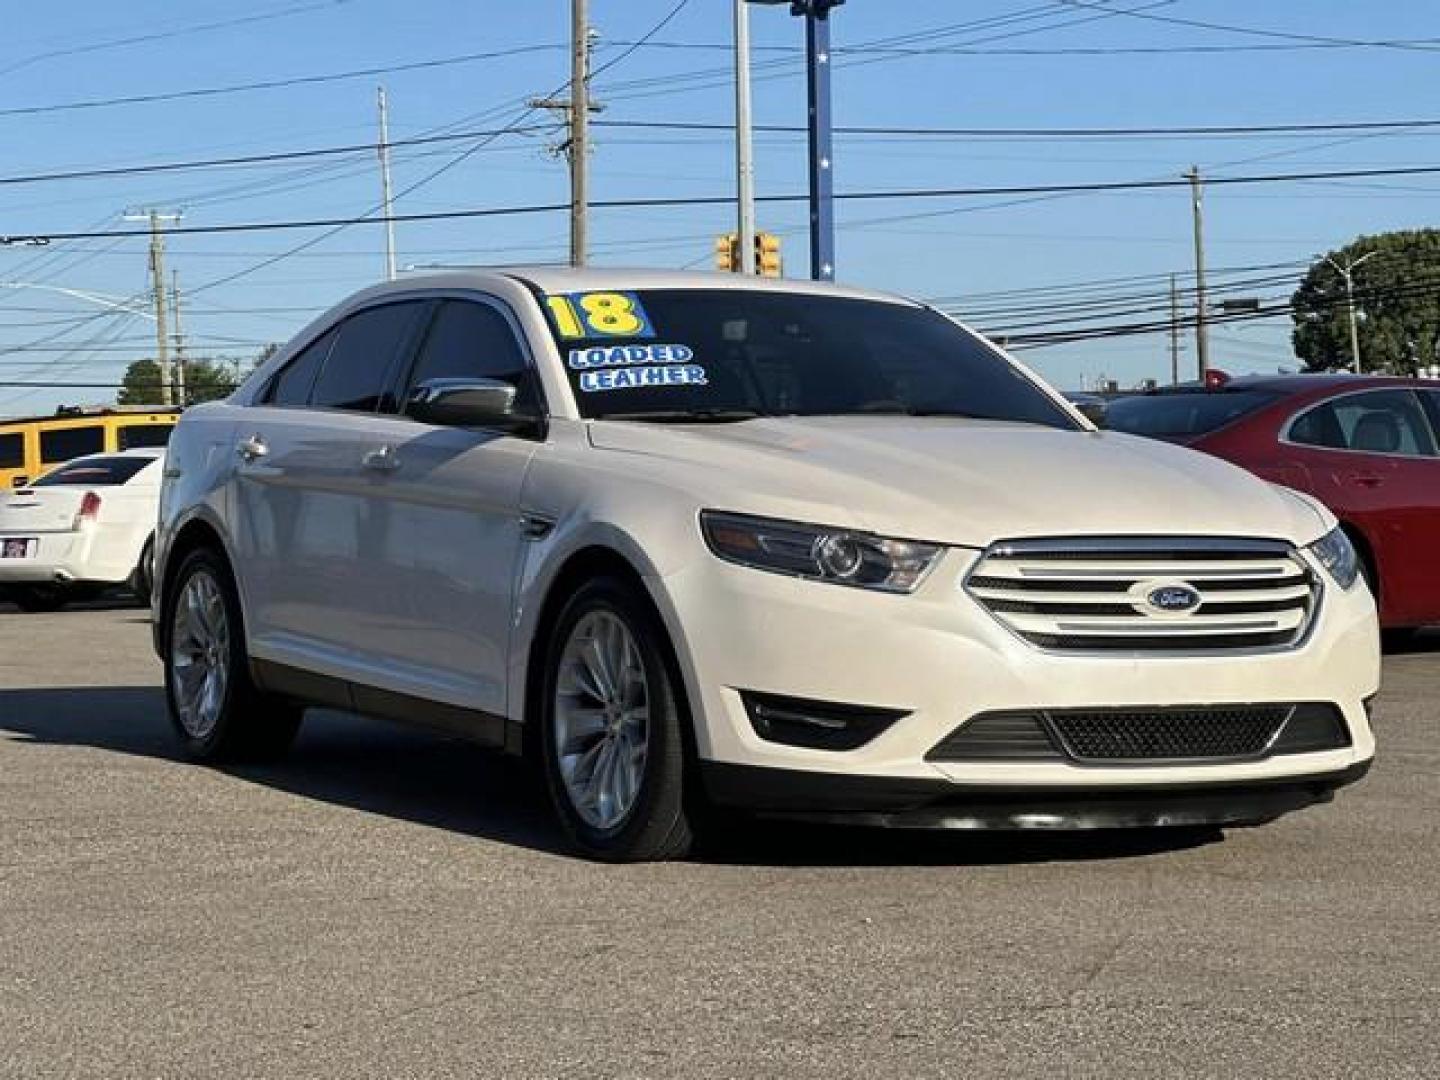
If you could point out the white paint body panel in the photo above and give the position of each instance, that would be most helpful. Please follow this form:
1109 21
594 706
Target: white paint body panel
421 581
104 551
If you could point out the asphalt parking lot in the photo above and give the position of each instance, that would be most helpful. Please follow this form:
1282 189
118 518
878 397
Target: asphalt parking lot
388 903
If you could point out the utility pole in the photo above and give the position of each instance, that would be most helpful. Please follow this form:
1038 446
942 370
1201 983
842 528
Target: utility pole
181 391
156 218
577 108
1197 207
1174 332
1346 270
579 129
744 146
386 192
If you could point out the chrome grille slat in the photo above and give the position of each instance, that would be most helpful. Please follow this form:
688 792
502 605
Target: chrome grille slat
1090 594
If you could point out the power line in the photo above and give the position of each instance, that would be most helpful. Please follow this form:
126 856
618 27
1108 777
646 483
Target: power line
275 84
165 35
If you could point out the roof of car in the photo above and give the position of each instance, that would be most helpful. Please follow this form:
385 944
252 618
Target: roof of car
567 279
1294 384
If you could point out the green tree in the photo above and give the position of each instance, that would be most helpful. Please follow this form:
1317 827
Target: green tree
204 381
1397 305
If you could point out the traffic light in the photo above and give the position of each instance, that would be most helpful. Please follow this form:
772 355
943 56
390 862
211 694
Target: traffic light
767 255
727 253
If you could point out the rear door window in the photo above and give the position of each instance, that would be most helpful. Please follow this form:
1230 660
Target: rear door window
362 363
62 444
1379 422
96 472
472 340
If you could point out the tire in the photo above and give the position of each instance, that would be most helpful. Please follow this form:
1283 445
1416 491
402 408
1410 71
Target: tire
633 807
38 598
142 578
214 705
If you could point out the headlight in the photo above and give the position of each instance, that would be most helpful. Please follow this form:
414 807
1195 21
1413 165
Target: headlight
1337 554
815 551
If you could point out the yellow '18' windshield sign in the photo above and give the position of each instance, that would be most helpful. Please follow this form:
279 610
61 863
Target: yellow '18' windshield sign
599 315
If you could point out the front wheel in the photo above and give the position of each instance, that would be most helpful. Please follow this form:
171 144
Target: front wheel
611 728
215 706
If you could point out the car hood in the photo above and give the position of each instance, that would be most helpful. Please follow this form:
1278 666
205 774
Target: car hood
963 481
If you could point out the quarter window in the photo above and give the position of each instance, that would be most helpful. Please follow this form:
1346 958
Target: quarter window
62 444
292 385
1381 422
359 369
470 340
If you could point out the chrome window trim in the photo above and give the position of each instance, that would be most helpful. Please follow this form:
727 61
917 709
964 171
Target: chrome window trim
1413 391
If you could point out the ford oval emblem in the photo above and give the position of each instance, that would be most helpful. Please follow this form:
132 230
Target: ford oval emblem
1173 598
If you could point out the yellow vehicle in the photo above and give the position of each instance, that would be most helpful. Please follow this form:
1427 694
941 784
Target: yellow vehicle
29 447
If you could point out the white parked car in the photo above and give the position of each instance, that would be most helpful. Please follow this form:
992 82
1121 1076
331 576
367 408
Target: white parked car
80 528
698 539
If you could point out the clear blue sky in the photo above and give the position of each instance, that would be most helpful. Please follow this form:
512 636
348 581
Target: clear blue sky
1027 65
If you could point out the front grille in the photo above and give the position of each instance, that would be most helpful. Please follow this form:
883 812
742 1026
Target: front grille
1168 734
1095 594
1192 734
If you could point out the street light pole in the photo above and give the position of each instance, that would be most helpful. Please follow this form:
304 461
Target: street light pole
816 14
1197 210
744 146
1347 274
822 176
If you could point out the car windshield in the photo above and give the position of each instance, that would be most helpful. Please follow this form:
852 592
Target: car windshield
1185 414
723 355
95 472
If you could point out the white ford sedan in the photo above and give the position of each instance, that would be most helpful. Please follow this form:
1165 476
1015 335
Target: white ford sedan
82 527
703 540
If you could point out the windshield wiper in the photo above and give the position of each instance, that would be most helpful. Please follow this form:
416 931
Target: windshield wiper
688 416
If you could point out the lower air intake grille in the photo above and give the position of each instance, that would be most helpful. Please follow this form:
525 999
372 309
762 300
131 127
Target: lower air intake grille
1168 734
1150 735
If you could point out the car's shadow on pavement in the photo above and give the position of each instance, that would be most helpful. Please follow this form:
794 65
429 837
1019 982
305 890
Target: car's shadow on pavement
445 783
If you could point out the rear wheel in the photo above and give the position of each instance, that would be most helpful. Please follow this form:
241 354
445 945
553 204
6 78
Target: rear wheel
215 707
611 728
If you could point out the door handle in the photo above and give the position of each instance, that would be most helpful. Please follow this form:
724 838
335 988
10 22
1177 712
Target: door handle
381 459
1369 480
252 449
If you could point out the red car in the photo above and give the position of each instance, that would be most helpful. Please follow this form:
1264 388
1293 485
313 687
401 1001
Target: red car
1364 446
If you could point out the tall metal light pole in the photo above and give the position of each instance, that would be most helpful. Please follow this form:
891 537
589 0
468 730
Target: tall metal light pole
386 192
1197 209
816 14
744 144
1346 271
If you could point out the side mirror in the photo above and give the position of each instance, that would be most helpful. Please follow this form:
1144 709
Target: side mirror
465 403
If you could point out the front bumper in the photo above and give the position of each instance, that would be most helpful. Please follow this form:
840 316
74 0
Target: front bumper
941 804
943 659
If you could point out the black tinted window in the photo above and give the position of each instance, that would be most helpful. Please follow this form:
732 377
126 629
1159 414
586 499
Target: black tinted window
136 436
291 386
12 451
358 370
1178 415
470 340
1383 422
95 472
681 351
62 444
